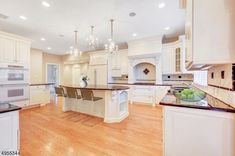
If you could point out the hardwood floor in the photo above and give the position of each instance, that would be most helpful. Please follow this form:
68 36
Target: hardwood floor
47 131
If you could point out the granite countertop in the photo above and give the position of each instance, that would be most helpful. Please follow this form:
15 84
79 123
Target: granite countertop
41 84
6 107
209 103
99 87
144 84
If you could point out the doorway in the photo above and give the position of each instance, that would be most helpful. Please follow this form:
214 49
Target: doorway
53 73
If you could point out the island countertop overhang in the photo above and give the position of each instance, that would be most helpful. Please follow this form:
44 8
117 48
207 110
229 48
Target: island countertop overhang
99 87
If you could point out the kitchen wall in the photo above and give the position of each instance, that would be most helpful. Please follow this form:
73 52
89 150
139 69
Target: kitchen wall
39 60
55 59
36 66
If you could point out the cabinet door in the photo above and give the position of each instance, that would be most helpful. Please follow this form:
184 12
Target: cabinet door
9 131
124 62
168 59
23 53
116 60
98 75
189 32
7 50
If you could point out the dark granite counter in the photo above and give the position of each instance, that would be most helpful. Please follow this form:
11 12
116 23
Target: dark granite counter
209 103
144 84
41 84
99 87
6 107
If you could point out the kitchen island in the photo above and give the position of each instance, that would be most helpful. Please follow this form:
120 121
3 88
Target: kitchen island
112 104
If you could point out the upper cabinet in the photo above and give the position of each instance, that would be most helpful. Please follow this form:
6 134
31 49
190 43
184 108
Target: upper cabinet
209 32
119 63
14 50
99 58
173 57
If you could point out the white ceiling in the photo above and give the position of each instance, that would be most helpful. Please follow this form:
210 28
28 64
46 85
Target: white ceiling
64 16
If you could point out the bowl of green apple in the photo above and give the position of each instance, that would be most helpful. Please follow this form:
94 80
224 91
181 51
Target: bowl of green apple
190 95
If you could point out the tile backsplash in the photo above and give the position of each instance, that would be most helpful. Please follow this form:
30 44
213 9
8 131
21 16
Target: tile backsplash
222 76
222 94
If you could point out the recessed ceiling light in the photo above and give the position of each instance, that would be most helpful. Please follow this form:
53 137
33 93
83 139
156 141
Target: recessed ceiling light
23 17
2 16
132 14
71 47
43 39
161 5
167 28
46 4
49 48
134 34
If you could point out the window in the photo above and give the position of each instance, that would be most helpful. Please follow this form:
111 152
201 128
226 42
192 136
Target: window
200 77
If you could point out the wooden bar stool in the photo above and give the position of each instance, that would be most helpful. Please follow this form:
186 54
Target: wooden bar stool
72 93
59 91
89 95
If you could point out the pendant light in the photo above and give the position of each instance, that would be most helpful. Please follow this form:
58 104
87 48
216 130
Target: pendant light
92 40
111 46
75 50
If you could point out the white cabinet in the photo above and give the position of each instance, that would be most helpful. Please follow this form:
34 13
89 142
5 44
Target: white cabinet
173 57
147 94
119 63
22 52
98 75
99 58
14 50
143 94
195 132
168 59
9 131
209 32
39 94
7 50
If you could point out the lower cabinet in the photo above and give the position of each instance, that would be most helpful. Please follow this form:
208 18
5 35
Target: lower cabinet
195 132
39 94
147 94
9 131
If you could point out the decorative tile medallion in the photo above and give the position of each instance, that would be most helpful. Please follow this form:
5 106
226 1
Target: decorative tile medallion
146 71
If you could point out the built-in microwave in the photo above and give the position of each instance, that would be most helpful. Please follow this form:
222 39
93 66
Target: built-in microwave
11 93
14 75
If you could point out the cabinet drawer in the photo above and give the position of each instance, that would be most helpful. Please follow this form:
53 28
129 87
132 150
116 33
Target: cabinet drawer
142 99
143 91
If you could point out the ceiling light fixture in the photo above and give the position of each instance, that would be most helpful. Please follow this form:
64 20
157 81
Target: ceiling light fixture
132 14
92 40
43 39
167 28
74 51
23 17
111 46
49 48
134 34
161 5
46 4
